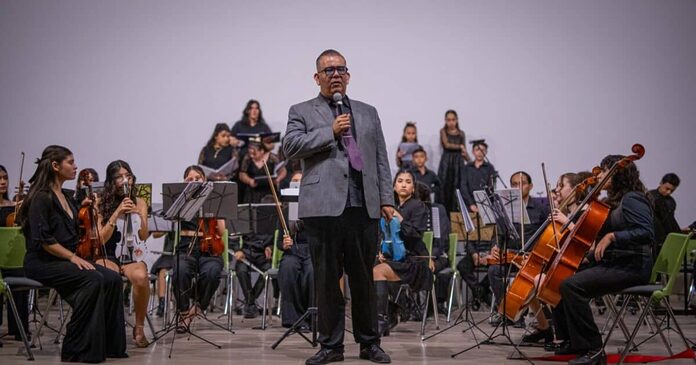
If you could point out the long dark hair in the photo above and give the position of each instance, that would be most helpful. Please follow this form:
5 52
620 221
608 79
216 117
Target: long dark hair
5 195
111 198
247 108
407 126
43 177
452 111
413 179
220 127
623 181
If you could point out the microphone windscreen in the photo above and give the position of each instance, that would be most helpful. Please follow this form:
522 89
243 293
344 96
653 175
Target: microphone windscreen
338 98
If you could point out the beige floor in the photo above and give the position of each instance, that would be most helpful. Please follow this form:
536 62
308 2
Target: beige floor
250 346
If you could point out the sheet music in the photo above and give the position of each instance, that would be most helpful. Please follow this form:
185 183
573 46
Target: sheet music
468 223
188 203
225 169
511 200
484 207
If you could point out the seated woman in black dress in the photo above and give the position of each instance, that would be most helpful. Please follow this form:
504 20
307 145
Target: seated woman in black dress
417 269
49 220
622 258
116 204
220 149
192 260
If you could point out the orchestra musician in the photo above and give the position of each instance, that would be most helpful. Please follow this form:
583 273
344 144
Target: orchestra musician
96 330
198 256
621 258
417 268
118 205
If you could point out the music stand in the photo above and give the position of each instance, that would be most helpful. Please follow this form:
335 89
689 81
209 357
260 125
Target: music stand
495 205
181 203
464 315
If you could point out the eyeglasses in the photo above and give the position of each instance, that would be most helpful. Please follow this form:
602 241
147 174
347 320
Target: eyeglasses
329 71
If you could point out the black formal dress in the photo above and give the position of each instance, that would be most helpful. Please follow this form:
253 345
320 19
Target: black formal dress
413 271
97 328
451 169
626 262
204 267
295 277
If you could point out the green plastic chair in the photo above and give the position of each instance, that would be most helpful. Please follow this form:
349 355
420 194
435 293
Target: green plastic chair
667 264
270 274
12 251
430 297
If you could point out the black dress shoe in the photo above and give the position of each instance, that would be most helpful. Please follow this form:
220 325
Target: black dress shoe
594 357
325 356
538 335
565 349
375 354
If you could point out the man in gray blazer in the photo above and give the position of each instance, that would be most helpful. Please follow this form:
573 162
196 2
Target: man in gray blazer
346 186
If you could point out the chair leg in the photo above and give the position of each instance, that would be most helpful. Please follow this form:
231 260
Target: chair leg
266 280
230 298
451 296
629 343
280 301
614 323
609 302
22 332
167 298
425 314
658 328
44 320
676 324
433 299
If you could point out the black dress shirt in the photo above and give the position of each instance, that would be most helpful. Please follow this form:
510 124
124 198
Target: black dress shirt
476 178
48 224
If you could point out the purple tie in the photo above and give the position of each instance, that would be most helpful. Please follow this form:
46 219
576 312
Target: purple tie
351 146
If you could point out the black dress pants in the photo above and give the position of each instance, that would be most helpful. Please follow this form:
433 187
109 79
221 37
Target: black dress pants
344 243
576 293
97 327
208 268
243 271
296 281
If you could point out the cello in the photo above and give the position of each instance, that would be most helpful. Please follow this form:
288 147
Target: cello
90 245
546 244
583 235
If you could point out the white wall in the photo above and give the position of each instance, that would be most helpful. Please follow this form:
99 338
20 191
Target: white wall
564 82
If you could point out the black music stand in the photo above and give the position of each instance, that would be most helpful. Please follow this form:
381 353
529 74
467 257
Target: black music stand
181 203
496 204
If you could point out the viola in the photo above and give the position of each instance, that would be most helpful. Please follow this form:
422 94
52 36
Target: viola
546 241
583 235
392 245
90 245
211 242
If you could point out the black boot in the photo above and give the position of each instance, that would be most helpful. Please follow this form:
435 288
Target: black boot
250 310
382 293
160 307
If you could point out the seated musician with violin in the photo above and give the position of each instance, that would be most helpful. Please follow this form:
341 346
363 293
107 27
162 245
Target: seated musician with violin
87 176
200 248
48 216
295 272
621 258
416 269
122 226
8 209
537 212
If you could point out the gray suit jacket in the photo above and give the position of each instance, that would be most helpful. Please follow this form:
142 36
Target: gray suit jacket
324 188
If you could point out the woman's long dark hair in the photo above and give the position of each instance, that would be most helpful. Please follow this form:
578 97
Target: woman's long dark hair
197 169
624 181
220 127
111 198
43 177
413 179
247 108
5 195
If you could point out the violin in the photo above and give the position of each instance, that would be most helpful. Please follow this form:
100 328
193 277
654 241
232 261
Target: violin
583 235
546 242
211 242
392 246
90 245
130 248
12 217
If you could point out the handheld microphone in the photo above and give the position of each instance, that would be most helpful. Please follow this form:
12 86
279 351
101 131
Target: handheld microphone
338 99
